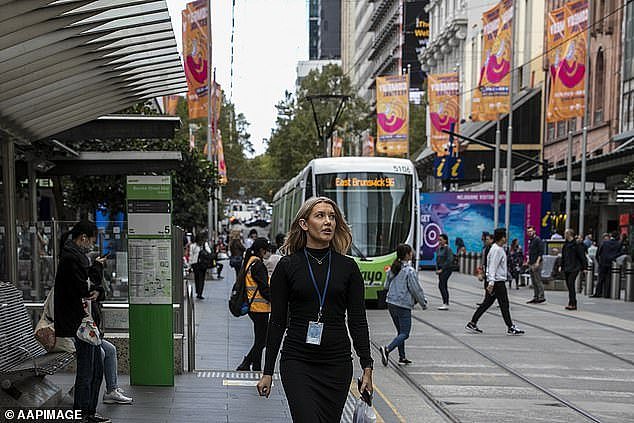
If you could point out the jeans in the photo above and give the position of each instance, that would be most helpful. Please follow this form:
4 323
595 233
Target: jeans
260 325
402 318
109 354
88 377
443 278
536 277
499 292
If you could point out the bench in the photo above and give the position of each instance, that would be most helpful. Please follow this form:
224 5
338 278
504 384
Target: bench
23 361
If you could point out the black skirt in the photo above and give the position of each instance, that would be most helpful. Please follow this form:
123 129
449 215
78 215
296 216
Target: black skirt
316 393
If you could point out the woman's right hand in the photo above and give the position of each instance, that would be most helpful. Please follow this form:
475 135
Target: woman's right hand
264 385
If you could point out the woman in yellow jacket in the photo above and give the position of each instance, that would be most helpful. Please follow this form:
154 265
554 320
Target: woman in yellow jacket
256 278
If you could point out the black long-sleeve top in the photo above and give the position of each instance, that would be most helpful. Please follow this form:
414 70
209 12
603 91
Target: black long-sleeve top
294 299
261 276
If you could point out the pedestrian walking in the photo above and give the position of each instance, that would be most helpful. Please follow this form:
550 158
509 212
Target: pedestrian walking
236 251
256 279
496 276
608 251
199 267
573 257
253 234
516 258
315 290
403 292
71 291
535 253
444 268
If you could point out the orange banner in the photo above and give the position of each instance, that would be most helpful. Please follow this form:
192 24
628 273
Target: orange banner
491 97
337 146
444 109
195 47
392 115
566 59
222 165
368 144
170 104
216 104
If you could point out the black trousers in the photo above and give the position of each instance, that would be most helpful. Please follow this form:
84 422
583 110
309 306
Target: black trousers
199 278
316 392
260 324
603 286
499 292
571 278
443 279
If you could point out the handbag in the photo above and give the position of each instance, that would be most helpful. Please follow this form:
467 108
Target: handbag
87 330
45 330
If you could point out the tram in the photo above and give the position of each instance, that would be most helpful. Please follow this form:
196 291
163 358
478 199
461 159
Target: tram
379 199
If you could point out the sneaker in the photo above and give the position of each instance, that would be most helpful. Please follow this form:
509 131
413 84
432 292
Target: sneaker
473 328
404 361
443 307
513 330
116 396
384 355
98 418
533 301
570 307
541 300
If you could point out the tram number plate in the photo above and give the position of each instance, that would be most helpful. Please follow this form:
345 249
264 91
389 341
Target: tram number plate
401 168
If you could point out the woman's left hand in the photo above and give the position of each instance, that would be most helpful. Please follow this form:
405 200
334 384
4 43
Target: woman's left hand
366 382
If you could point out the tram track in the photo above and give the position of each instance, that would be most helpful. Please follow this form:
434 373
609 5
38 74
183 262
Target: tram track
552 332
560 399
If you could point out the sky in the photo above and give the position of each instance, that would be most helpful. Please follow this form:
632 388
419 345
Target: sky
271 36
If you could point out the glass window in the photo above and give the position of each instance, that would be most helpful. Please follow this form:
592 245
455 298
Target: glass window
599 85
377 207
551 131
561 129
309 184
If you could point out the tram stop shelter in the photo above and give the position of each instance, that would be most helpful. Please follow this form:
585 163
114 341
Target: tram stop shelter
65 67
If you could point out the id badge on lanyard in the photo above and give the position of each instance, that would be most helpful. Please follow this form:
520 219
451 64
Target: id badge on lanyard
316 328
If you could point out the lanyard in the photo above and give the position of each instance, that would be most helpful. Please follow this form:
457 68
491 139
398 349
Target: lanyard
322 297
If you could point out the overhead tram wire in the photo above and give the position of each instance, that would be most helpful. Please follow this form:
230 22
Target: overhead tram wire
539 56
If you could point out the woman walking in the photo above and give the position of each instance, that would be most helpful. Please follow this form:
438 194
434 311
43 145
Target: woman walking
199 269
573 258
256 278
71 291
403 293
316 286
236 251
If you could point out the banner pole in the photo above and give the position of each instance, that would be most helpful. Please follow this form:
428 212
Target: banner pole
569 181
586 122
210 205
509 137
496 176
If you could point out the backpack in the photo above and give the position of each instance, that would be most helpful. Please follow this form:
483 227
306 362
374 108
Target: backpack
239 304
205 258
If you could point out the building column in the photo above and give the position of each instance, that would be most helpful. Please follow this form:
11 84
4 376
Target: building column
8 181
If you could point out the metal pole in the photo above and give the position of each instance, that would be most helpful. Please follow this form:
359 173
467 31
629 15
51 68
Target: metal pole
569 183
509 142
586 122
496 176
8 182
211 218
35 255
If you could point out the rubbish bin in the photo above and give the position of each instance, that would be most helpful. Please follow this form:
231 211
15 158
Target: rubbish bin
629 281
615 281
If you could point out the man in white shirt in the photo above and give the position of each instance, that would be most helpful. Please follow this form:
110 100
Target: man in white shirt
496 277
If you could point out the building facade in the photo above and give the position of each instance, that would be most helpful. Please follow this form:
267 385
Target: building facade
324 29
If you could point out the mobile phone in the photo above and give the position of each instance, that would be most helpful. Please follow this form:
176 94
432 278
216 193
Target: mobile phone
365 395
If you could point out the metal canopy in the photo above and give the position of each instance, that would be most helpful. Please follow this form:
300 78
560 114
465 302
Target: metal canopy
67 62
122 127
116 163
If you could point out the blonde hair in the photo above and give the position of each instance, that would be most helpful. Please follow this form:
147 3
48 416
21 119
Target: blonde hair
296 237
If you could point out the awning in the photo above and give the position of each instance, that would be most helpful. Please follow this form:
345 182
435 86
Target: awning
603 167
67 62
115 163
123 127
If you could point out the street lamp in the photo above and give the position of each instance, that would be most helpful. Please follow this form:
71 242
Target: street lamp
325 129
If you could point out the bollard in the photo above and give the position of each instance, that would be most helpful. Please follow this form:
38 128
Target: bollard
463 268
629 282
589 279
615 281
469 263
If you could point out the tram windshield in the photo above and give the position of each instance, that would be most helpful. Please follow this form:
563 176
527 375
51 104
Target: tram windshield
377 206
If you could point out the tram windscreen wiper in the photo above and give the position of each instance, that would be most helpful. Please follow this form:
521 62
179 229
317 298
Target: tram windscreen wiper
358 252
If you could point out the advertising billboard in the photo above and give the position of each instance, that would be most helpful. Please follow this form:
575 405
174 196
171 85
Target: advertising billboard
467 214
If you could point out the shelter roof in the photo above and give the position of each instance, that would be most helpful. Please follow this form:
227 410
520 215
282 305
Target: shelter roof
67 62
